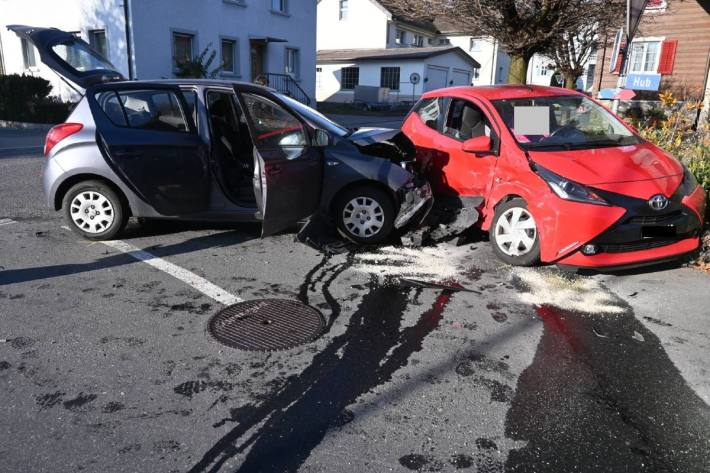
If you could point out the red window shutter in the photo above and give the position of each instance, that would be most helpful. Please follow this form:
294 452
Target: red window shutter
665 62
619 58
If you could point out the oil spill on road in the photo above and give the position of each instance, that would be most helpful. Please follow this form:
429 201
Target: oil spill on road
79 401
591 403
279 433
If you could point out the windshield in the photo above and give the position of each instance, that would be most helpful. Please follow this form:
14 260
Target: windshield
562 123
81 57
315 117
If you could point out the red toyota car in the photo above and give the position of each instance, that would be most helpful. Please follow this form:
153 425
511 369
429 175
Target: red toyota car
563 180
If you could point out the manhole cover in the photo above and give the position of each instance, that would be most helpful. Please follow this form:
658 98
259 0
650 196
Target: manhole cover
267 324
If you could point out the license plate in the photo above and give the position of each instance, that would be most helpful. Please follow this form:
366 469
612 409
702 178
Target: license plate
658 231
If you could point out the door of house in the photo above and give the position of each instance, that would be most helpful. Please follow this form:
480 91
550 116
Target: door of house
258 56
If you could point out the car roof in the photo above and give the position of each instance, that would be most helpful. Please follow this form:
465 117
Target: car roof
497 92
194 82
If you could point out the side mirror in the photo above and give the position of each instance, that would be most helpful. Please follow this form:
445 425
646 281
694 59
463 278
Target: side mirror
321 137
478 145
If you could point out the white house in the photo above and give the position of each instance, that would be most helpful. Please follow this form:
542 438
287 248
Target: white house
276 38
373 43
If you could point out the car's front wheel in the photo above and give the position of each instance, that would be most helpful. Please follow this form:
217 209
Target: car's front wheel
514 234
93 210
365 215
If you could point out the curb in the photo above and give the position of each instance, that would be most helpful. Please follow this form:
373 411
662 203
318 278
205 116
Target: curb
25 126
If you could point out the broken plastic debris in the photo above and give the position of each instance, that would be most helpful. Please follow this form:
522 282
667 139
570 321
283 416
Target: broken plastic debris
638 336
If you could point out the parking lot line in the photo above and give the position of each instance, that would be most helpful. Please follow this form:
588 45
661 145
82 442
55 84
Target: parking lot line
188 277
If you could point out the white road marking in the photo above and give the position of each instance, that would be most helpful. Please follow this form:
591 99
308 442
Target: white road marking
191 279
6 221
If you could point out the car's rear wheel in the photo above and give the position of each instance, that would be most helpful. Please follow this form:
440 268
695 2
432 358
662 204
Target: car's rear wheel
365 215
93 210
514 234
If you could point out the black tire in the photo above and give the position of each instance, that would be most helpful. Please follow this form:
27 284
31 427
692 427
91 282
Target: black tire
78 197
385 218
532 256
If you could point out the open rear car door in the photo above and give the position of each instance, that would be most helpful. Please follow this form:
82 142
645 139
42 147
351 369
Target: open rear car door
288 170
69 56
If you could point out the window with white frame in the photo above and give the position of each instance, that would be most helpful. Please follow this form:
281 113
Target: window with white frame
389 77
291 60
644 56
28 54
280 6
97 40
343 12
183 47
474 45
349 78
400 37
230 64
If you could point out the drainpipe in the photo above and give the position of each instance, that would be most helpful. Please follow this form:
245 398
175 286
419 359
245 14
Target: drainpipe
494 62
129 46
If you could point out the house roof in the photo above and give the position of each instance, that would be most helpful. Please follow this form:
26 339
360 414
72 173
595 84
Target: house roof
450 26
346 55
400 14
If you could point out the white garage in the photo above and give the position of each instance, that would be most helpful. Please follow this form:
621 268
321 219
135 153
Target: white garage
340 72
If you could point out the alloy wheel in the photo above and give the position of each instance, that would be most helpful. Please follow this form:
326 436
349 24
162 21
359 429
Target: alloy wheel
515 232
92 212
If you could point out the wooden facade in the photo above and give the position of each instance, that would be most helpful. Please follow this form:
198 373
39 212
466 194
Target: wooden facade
681 29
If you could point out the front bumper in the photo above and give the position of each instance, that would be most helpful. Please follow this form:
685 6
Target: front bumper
643 235
416 203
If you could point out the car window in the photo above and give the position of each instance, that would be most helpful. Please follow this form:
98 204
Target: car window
157 110
274 126
465 121
190 97
109 103
430 110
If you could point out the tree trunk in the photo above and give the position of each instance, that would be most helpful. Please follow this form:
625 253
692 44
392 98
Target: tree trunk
570 82
518 72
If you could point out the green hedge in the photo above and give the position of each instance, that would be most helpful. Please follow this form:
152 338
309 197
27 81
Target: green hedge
26 99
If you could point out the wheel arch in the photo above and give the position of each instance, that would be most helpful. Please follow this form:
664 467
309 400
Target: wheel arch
71 181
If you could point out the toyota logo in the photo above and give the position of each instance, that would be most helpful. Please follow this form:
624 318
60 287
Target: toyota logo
658 202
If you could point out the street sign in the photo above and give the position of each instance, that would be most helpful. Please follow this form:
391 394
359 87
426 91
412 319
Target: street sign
643 81
414 78
625 94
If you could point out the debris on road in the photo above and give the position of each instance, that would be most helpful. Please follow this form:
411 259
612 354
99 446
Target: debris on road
446 285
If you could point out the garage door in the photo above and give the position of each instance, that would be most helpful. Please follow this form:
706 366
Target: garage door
436 77
461 77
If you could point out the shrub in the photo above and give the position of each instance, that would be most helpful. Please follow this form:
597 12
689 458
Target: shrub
198 67
26 99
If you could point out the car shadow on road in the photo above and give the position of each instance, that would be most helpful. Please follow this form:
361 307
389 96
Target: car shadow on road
215 240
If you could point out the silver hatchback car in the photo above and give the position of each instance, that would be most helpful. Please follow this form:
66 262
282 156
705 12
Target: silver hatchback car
215 150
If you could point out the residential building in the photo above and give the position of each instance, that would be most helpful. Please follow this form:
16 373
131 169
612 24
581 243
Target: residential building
673 40
374 43
144 39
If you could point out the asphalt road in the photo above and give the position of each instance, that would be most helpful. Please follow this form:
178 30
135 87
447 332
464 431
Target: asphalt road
106 366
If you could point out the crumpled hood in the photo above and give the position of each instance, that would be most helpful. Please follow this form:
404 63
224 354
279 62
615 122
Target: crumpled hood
386 143
633 163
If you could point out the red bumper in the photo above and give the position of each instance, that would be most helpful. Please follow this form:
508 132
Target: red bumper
602 260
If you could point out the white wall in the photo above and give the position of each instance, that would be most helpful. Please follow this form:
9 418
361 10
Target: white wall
329 83
364 28
154 22
494 62
75 15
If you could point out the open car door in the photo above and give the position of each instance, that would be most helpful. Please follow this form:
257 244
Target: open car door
288 171
147 136
68 56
